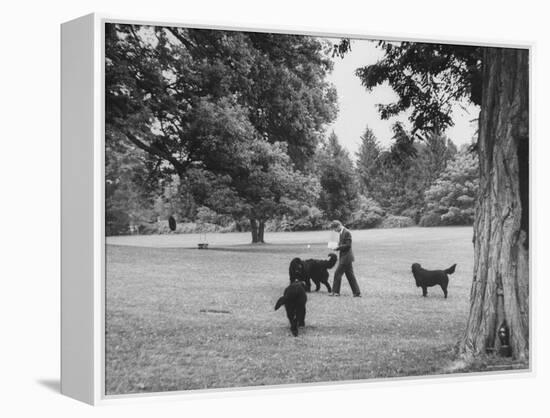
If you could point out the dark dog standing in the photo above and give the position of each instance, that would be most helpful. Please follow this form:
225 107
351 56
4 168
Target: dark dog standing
296 270
294 298
428 278
317 271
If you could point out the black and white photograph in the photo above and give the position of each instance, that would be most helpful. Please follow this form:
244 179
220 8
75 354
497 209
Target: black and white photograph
270 209
290 208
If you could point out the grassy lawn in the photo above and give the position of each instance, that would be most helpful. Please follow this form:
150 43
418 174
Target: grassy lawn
180 318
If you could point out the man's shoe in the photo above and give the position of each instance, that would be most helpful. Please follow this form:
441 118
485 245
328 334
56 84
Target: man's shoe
358 295
334 294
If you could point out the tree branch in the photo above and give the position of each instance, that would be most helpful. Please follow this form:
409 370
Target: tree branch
178 166
188 44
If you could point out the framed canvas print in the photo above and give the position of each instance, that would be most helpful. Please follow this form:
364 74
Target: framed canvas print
205 169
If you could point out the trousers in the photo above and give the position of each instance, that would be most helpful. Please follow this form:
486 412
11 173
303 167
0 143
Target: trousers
346 269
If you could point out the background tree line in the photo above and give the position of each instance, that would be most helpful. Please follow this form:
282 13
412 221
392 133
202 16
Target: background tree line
225 131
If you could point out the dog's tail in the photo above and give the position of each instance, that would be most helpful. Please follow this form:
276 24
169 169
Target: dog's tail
450 270
280 302
332 258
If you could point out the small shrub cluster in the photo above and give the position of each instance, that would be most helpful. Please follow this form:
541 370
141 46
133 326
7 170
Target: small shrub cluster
393 221
368 215
430 219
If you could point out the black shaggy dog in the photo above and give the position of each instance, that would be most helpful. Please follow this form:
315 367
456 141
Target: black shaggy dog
317 271
428 278
294 298
296 270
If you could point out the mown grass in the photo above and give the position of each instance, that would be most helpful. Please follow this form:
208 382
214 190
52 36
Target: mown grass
180 318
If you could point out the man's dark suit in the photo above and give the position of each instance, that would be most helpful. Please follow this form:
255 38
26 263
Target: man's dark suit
345 264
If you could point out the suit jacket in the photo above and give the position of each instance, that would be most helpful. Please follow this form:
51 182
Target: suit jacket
344 247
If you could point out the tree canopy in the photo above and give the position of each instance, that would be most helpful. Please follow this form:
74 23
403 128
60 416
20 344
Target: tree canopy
190 96
428 79
337 179
242 111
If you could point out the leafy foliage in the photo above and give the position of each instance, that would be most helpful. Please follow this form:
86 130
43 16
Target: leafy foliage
368 214
393 221
451 198
398 177
428 78
233 115
337 179
367 161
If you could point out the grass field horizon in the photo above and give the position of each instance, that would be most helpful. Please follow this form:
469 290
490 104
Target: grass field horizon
179 318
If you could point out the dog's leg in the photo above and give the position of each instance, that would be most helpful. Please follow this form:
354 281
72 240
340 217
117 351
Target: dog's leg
317 286
326 283
301 316
308 285
291 315
445 283
424 291
294 327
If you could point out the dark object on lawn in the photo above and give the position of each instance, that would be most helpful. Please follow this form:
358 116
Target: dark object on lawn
427 278
317 271
172 223
203 243
294 298
296 270
217 311
504 336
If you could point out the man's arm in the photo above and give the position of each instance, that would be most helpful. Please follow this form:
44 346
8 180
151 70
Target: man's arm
345 242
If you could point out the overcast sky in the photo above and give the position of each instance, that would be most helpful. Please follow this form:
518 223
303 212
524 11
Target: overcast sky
357 107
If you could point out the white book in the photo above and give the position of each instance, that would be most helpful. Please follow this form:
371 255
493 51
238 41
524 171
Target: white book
333 239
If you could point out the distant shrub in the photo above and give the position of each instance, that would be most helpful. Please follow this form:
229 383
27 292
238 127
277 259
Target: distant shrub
278 225
393 221
430 219
147 228
368 215
412 213
304 218
364 220
208 216
451 197
161 227
197 228
117 222
458 216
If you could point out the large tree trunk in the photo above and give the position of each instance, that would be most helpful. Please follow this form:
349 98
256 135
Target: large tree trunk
254 230
257 230
261 230
500 288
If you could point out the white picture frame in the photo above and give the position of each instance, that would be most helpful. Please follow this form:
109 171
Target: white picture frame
82 205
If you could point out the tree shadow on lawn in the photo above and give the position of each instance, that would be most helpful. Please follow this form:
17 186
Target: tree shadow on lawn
267 248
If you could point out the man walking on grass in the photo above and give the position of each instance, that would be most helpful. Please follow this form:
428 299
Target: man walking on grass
345 261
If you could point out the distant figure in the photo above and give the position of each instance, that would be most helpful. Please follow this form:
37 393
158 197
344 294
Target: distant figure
345 262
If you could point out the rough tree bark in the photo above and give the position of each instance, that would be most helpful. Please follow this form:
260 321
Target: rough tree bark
261 229
500 288
257 229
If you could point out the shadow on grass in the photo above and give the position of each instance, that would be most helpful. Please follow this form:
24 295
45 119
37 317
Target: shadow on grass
261 248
